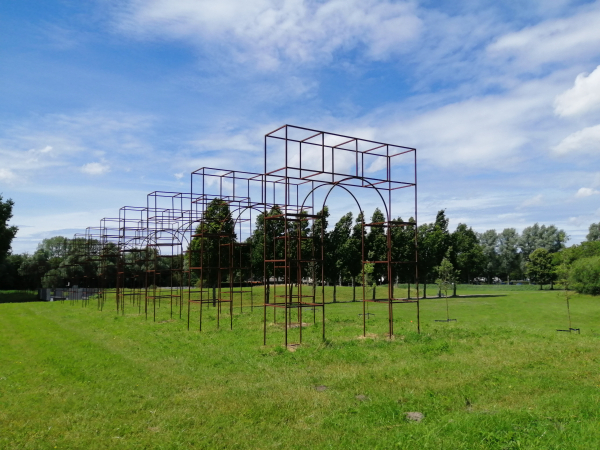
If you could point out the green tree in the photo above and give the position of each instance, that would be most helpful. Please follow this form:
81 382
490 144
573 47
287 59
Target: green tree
403 251
108 266
586 249
446 274
56 247
320 240
53 278
447 277
563 269
9 273
536 236
584 275
7 233
377 245
594 232
355 252
540 267
508 252
340 250
33 268
434 240
208 248
489 245
468 255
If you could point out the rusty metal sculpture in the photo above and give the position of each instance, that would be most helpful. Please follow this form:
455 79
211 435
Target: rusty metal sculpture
177 247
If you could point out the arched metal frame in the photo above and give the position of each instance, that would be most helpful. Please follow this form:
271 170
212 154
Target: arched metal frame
298 162
304 160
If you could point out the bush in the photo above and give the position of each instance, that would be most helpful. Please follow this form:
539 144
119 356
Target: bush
585 275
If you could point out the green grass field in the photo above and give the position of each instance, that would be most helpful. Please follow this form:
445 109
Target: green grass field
501 377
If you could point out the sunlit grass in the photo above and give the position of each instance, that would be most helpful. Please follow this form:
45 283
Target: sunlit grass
501 376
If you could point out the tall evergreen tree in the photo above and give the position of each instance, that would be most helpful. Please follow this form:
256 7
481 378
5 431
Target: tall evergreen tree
341 250
377 245
214 233
434 240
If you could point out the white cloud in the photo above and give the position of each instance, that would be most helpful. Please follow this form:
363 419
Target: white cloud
265 32
582 141
95 168
534 201
179 176
491 131
586 192
558 40
583 97
7 175
38 146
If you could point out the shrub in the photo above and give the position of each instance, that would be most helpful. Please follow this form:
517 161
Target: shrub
585 275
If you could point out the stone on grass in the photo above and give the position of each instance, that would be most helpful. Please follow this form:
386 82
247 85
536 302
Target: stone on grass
414 416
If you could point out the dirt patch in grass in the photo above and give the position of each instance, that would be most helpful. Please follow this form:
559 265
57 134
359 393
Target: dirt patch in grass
367 336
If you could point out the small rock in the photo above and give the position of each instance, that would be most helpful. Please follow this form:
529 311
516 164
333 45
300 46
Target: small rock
320 388
414 416
362 398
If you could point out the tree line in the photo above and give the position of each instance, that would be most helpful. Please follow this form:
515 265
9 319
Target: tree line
537 254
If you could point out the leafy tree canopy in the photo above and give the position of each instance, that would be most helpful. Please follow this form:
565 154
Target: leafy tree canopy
594 232
540 267
7 233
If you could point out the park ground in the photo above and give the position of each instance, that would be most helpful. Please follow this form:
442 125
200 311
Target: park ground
500 377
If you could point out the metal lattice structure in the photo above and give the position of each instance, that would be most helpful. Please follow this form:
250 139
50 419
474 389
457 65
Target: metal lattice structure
196 247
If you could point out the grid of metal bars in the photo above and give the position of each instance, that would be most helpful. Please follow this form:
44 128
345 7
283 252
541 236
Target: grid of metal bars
145 255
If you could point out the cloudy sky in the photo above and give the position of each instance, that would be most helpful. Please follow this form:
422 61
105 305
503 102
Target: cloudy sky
105 101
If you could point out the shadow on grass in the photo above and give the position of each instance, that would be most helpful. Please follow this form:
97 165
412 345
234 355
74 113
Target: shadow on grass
433 297
19 297
467 296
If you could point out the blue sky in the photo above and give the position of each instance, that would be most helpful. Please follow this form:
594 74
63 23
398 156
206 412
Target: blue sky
103 102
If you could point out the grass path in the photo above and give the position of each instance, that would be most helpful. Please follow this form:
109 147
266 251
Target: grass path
501 377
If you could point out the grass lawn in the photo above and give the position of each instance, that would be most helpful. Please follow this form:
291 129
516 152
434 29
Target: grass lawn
500 377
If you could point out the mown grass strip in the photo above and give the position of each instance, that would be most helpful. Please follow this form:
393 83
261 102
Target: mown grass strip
500 377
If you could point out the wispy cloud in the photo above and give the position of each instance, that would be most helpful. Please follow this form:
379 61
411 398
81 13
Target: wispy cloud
534 201
583 141
7 176
560 40
586 192
35 145
268 32
95 168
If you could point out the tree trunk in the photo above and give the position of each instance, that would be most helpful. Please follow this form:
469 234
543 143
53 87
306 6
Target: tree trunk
425 290
334 293
374 290
408 286
454 295
353 290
